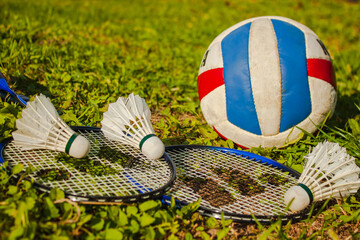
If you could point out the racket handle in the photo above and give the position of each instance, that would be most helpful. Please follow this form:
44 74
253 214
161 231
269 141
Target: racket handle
5 89
1 155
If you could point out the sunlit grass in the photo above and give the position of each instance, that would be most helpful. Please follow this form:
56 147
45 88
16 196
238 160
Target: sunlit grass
85 54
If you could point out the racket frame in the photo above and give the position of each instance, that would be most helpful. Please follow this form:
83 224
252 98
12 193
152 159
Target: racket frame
206 211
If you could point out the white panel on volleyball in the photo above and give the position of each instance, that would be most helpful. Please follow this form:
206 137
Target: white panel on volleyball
323 97
265 75
213 59
213 106
250 140
312 48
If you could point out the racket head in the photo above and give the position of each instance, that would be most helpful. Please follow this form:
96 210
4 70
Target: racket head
229 170
138 179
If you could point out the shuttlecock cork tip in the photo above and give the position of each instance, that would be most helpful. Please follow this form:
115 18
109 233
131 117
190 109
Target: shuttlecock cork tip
152 147
299 196
77 146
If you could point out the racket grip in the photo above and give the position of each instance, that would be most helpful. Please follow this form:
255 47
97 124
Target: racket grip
5 90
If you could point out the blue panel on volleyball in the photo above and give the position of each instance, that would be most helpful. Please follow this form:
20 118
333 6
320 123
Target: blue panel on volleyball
237 80
295 94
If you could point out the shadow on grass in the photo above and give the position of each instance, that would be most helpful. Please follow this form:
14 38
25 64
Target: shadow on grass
345 109
28 86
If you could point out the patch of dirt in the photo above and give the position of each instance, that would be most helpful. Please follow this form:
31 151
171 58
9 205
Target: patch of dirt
209 190
241 182
53 174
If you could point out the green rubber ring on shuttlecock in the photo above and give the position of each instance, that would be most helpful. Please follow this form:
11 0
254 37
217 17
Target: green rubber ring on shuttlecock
71 140
144 139
308 191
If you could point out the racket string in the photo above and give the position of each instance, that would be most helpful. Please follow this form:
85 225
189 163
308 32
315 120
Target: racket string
144 176
203 163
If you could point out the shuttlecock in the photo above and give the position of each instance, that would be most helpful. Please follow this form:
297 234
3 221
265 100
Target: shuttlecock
42 128
328 172
128 121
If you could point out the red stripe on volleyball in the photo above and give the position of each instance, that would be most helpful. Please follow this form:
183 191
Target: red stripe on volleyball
209 80
322 69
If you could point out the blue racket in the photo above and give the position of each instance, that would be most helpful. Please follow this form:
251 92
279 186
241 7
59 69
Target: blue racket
111 173
115 173
235 183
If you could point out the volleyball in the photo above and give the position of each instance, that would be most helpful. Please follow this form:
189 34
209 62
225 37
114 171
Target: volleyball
266 80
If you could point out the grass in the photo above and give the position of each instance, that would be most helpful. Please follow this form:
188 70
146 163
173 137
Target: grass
84 54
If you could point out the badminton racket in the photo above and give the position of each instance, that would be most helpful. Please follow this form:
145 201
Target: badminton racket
111 173
238 184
